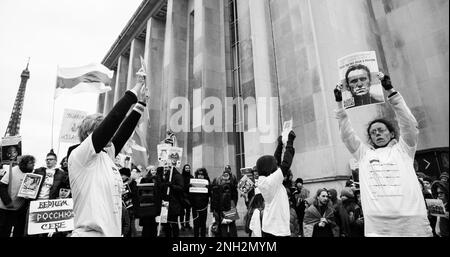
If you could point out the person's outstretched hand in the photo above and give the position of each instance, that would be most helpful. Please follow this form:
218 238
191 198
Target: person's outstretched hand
291 136
338 92
385 81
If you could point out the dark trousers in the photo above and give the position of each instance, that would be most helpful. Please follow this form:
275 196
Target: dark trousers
171 228
16 219
199 222
228 230
185 217
149 227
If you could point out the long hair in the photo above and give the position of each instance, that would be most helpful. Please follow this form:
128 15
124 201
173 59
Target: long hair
88 125
204 171
184 168
388 125
316 199
23 162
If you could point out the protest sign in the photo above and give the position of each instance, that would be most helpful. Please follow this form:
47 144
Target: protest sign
287 127
435 207
163 154
248 171
358 74
245 184
198 185
47 216
30 186
127 197
175 154
11 149
69 127
146 206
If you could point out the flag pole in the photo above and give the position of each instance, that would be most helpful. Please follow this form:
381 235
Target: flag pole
53 108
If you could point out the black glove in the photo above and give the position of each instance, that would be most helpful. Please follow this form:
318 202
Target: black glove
386 83
291 136
337 95
280 141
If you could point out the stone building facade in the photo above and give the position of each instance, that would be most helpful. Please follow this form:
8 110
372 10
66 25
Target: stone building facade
284 50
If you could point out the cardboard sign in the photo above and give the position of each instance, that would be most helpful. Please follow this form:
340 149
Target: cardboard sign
127 197
358 74
436 207
30 186
169 155
287 127
164 212
47 216
69 127
11 149
245 184
163 154
175 154
198 185
248 171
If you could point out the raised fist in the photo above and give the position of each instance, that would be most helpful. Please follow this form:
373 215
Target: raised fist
291 136
385 81
338 92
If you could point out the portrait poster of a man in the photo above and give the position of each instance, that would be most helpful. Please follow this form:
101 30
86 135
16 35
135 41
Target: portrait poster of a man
360 85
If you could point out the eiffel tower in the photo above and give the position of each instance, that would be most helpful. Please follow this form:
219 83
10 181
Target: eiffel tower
16 114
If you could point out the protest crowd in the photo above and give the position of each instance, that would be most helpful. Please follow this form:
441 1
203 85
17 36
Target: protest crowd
170 200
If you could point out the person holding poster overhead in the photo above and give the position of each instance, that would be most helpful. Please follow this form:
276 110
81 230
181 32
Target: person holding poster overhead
390 192
94 178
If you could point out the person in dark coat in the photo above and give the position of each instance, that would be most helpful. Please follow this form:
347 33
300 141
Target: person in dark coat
222 201
174 197
199 203
186 213
148 223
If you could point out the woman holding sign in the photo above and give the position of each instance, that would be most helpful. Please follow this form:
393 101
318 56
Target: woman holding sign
94 178
390 192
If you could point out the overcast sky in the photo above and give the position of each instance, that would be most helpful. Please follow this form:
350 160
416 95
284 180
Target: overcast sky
52 32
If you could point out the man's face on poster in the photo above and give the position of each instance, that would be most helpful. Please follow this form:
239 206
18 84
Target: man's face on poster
359 82
12 153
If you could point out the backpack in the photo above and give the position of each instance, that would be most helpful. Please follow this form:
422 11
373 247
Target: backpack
146 204
220 196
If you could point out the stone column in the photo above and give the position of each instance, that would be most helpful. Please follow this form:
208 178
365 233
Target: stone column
121 77
109 96
100 103
154 53
137 49
175 79
210 84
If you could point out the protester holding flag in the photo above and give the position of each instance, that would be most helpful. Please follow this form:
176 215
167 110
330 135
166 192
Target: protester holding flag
390 193
95 180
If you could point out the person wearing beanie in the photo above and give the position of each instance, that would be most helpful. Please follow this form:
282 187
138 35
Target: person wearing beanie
439 190
300 194
388 181
276 216
348 212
